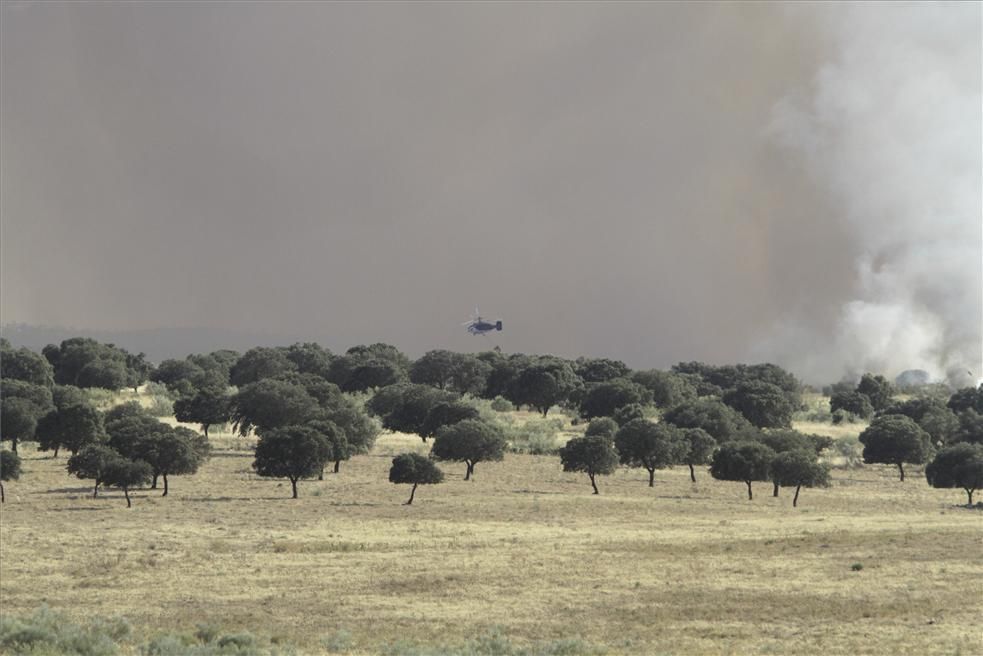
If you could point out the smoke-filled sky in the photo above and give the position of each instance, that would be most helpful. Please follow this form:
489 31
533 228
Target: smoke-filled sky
650 182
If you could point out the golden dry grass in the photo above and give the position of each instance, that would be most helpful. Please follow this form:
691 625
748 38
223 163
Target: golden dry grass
682 568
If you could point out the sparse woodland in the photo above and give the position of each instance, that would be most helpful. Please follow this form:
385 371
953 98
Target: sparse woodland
305 418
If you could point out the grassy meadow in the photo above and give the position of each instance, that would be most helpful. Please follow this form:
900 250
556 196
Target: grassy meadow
524 551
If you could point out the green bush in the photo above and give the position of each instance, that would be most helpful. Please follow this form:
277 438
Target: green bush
49 632
501 404
537 437
339 642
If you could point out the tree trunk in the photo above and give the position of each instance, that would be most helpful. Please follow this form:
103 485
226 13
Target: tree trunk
795 500
749 495
412 492
901 469
337 466
293 484
692 474
126 493
2 498
204 427
320 475
969 492
56 451
95 489
467 475
165 486
651 477
153 484
13 445
774 492
593 484
545 411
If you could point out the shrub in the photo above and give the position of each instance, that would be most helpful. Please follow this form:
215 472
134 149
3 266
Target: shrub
501 404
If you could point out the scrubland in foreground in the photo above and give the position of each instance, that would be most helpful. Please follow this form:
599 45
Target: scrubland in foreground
868 566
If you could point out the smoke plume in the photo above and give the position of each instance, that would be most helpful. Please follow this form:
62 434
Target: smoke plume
890 128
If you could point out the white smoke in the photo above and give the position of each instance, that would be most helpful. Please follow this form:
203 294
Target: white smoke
890 130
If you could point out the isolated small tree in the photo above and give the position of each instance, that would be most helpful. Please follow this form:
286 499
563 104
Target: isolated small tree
9 469
895 440
18 420
126 475
641 443
292 452
444 414
960 465
92 461
593 455
742 461
799 468
414 469
174 452
357 430
700 449
207 407
781 441
469 441
603 426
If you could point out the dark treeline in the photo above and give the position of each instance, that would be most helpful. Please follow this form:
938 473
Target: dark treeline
311 408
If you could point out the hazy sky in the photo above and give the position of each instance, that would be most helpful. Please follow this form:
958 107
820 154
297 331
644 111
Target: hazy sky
650 182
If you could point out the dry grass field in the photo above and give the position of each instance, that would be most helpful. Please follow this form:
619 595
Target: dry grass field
525 549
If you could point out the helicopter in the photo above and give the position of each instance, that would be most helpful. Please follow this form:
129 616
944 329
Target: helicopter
478 326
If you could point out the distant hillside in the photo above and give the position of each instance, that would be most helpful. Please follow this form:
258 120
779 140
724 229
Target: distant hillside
159 343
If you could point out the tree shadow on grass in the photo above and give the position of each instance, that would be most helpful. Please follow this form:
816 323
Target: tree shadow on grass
70 490
216 499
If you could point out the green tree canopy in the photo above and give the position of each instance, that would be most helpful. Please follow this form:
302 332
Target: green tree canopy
404 407
967 398
433 368
260 363
960 465
742 461
605 399
641 443
722 422
292 452
851 401
543 385
799 468
92 461
39 395
763 404
126 475
207 407
600 370
310 358
603 426
469 441
9 469
895 440
700 448
70 427
444 414
18 420
414 469
173 452
593 455
876 388
26 365
270 403
668 388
